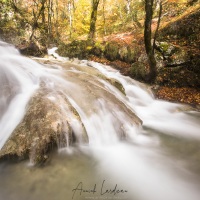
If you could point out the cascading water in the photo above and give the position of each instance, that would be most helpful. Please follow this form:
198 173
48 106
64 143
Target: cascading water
18 81
158 161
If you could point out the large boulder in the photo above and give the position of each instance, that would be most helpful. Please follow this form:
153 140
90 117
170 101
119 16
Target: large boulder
112 51
43 128
177 52
76 49
127 54
171 55
32 49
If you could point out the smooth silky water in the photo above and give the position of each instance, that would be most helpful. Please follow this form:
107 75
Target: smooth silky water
159 160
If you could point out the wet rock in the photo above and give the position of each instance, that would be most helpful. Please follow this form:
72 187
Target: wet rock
32 49
117 84
43 128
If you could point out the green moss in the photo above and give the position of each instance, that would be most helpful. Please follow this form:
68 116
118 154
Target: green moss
138 71
123 53
113 82
112 51
99 45
164 46
118 85
98 49
132 54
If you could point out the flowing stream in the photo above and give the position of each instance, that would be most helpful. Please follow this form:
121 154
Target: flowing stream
158 160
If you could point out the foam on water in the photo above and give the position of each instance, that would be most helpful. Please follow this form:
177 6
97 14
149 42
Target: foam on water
127 153
19 78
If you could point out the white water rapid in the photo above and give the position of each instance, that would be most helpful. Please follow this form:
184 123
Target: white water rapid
18 81
156 161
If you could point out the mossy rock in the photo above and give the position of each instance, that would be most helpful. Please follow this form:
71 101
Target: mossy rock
112 51
139 71
42 129
117 84
32 49
166 48
76 49
98 50
127 54
179 57
123 52
132 55
113 82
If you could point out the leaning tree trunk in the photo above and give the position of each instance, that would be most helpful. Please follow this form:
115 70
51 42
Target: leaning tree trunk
93 19
49 25
158 24
147 40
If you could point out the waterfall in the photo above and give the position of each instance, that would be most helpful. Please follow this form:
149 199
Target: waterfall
18 81
132 136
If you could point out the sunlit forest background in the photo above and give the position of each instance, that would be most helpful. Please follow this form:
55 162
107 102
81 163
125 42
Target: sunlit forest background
70 19
153 41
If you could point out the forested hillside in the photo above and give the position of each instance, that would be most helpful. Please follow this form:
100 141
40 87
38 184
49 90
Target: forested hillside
155 41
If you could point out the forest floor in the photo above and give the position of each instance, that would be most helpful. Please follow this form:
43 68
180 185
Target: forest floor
184 94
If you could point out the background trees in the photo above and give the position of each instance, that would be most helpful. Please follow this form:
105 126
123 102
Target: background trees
68 19
64 20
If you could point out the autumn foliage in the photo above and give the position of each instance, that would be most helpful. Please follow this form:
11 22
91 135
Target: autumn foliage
183 95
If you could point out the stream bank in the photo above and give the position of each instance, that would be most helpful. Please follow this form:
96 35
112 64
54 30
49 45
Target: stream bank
177 54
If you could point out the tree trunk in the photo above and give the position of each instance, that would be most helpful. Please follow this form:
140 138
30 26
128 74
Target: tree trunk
104 17
93 19
36 14
43 11
147 40
135 19
49 25
158 25
70 12
128 7
57 21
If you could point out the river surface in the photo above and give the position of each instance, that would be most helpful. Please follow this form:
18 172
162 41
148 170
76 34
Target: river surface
159 160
